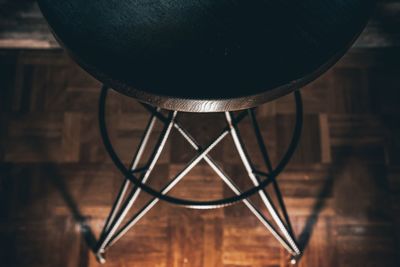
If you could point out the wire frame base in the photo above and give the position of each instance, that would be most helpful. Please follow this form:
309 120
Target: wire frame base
280 226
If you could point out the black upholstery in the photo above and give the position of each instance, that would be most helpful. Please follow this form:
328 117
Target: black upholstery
204 49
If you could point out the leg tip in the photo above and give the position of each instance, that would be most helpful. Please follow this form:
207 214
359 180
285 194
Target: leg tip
100 258
294 260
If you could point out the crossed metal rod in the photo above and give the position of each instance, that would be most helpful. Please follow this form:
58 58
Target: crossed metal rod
110 234
268 164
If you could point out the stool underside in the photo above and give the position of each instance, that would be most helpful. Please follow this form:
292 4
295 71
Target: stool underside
206 55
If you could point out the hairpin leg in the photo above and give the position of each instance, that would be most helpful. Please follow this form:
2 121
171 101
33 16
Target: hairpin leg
120 215
166 189
223 176
135 162
267 162
250 170
229 182
112 231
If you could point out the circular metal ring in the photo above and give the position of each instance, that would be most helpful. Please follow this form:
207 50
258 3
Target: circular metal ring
195 203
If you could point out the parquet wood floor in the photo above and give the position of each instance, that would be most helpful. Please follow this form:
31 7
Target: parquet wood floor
342 187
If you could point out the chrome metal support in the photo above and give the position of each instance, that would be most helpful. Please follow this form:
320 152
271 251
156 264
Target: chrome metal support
268 164
231 184
135 191
250 171
166 189
113 231
135 162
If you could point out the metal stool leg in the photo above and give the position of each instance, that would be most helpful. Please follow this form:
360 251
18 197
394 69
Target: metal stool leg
133 166
224 177
112 231
267 162
166 189
250 170
230 182
112 227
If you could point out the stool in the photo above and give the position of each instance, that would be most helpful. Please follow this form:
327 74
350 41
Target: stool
204 56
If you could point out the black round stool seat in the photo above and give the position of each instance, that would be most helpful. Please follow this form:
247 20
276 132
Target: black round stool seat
206 55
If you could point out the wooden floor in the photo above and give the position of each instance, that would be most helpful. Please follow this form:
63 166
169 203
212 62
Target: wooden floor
342 187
